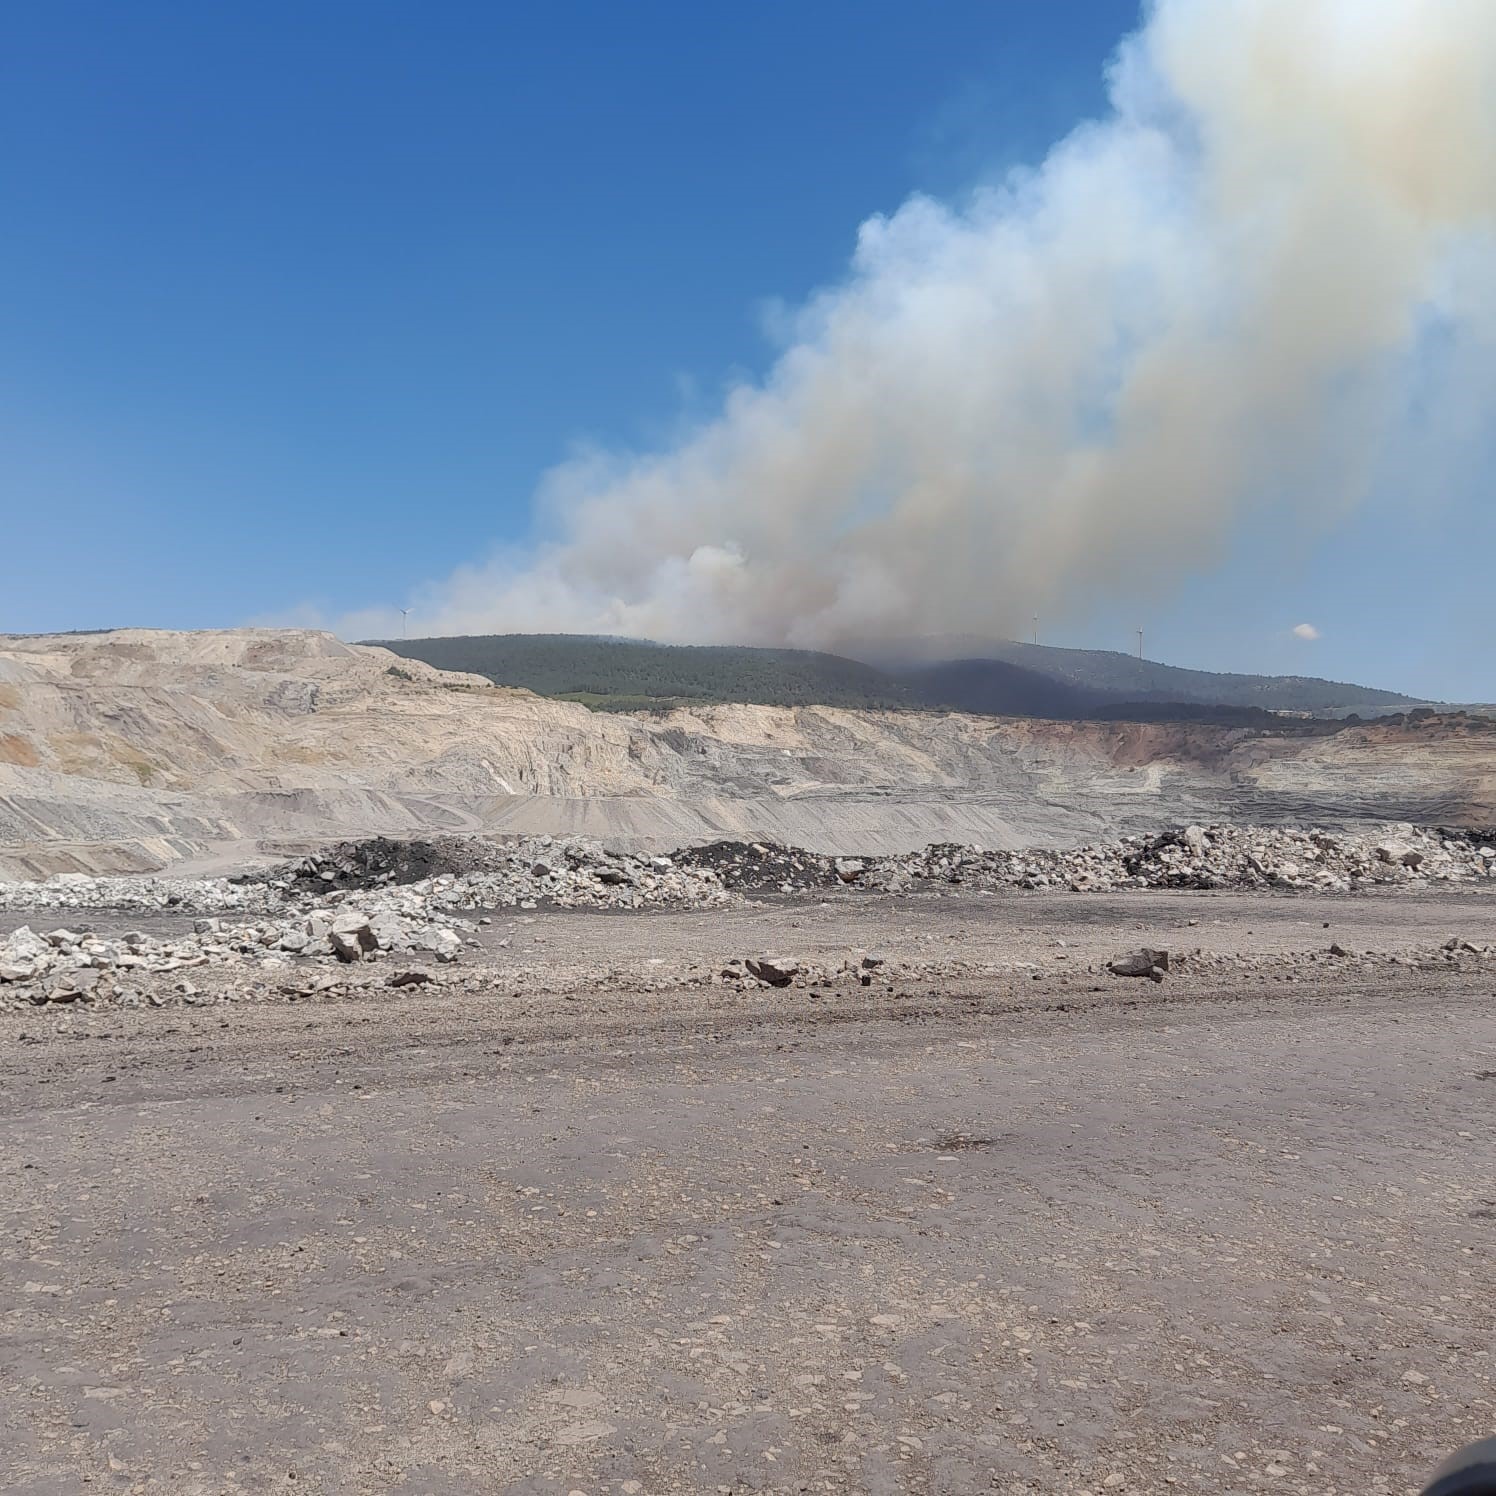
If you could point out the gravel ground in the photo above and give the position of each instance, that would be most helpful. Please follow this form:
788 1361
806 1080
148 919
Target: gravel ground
597 1226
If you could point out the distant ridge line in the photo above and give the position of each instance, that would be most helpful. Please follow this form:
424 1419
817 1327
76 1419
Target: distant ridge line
991 677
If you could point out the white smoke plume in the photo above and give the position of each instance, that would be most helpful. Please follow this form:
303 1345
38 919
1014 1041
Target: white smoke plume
1218 297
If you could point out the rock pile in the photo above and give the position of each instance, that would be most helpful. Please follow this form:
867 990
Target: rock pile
381 860
296 899
573 875
785 971
522 874
65 966
270 921
1219 857
144 895
1222 857
756 867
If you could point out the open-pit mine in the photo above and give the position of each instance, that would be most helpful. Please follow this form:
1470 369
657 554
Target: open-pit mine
409 1083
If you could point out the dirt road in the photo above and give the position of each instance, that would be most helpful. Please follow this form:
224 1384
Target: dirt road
1224 1234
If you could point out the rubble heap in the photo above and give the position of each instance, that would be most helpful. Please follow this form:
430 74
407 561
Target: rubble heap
152 894
271 920
757 867
575 873
523 874
1247 857
1206 857
568 875
292 914
64 966
382 860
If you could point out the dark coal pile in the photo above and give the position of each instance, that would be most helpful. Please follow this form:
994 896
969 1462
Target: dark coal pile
1470 836
756 867
380 862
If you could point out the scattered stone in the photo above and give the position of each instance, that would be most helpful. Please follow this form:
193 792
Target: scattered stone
777 971
292 916
70 987
346 945
351 922
409 979
1143 963
1460 947
23 945
443 944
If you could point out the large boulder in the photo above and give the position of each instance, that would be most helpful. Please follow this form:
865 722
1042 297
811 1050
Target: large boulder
777 971
1141 963
352 936
346 945
443 943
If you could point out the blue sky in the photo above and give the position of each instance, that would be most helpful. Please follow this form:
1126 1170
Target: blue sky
299 301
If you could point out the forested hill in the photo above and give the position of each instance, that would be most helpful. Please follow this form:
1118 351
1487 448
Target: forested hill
998 677
1124 677
626 675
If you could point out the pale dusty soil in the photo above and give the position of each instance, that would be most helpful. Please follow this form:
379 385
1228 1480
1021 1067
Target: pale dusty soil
1033 1231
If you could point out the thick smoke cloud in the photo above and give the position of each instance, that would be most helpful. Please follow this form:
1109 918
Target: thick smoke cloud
1222 295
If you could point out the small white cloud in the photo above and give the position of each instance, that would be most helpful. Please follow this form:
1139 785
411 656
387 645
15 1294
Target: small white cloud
1306 631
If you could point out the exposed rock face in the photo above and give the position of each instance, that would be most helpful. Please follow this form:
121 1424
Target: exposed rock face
138 749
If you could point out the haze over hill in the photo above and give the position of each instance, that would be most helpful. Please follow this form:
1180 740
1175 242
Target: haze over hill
996 677
1115 676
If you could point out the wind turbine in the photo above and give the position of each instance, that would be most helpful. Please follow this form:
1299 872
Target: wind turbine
405 623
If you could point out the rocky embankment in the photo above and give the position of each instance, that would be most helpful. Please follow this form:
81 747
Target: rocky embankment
1200 857
417 906
341 907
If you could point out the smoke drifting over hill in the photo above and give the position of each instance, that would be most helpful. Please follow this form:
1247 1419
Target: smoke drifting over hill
1227 293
